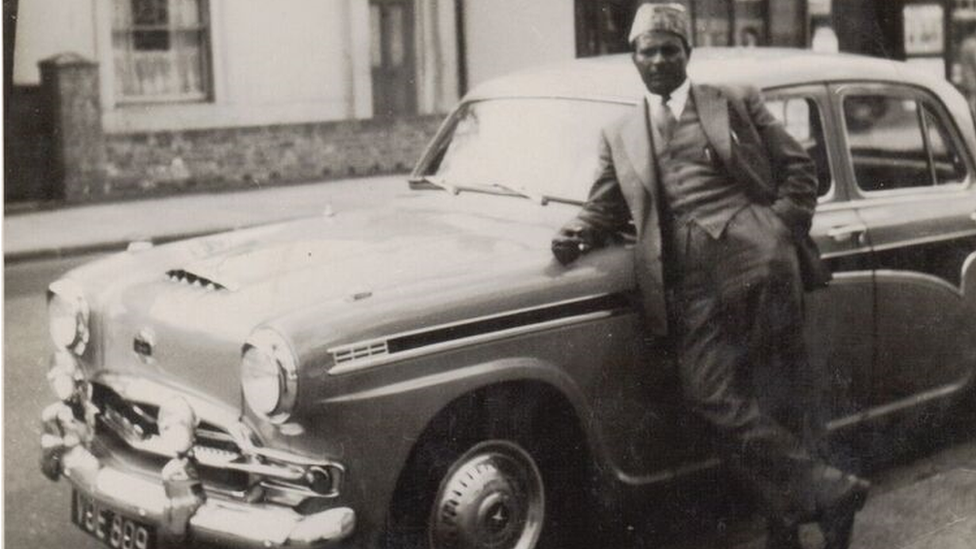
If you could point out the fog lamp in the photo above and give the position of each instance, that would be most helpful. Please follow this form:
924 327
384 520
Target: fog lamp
177 425
319 480
68 316
64 375
269 375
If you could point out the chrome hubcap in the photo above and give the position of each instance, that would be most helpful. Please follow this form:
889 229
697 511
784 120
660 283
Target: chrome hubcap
492 498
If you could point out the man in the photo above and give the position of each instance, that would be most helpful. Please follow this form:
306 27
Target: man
715 186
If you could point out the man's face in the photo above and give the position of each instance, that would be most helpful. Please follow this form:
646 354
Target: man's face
661 60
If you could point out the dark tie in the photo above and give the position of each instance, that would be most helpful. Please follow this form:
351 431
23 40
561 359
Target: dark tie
666 120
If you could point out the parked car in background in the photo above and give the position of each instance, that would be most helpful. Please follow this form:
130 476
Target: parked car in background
425 373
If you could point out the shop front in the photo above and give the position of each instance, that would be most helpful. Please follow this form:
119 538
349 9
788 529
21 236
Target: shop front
602 25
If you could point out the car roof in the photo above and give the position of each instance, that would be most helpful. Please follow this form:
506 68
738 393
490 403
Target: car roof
613 77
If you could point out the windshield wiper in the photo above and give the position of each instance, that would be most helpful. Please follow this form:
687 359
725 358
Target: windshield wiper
539 198
493 188
438 182
542 200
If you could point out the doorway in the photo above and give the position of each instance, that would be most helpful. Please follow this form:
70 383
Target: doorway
393 58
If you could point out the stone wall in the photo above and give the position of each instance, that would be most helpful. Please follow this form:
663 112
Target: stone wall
165 162
85 163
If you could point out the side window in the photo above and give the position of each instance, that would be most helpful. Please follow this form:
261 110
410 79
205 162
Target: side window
947 162
898 143
801 117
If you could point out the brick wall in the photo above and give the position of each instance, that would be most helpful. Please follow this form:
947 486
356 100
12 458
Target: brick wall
84 163
165 162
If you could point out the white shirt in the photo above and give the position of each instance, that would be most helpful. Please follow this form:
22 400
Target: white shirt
679 98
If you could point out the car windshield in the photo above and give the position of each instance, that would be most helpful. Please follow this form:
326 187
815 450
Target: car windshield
544 147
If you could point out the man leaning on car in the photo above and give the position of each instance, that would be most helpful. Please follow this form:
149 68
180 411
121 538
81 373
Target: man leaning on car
715 186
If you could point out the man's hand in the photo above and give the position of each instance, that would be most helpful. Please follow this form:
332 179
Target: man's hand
572 241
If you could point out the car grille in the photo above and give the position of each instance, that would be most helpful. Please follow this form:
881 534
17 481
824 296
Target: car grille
134 432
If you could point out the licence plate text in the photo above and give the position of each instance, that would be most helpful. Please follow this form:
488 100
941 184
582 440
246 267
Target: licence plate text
115 530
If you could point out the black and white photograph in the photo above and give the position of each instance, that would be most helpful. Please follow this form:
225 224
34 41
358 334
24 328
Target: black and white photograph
489 274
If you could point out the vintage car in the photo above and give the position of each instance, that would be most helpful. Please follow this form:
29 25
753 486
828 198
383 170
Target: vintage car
424 373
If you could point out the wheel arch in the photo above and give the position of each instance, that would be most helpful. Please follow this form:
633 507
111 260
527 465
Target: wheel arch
495 407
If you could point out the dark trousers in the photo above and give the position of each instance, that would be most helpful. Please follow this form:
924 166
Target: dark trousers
737 305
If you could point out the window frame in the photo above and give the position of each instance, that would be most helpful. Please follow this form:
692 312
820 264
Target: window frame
925 99
817 93
207 73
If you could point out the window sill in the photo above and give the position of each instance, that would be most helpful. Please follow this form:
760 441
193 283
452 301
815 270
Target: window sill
157 117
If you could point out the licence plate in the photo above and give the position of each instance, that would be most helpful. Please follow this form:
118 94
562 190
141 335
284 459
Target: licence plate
114 529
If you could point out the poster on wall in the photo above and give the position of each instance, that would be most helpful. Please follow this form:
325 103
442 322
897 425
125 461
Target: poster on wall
924 34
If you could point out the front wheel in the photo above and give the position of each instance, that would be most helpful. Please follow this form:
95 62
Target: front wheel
492 497
489 493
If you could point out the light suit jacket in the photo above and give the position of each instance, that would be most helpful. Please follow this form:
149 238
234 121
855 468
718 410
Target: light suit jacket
754 149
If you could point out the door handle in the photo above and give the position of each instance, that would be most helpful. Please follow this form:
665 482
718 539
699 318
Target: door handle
846 233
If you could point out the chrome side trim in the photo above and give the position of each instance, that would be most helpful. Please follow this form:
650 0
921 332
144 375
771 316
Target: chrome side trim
670 474
834 206
913 194
375 359
968 265
896 406
359 351
917 277
465 341
834 425
901 243
925 240
845 253
853 276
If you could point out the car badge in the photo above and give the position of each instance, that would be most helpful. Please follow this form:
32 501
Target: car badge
144 343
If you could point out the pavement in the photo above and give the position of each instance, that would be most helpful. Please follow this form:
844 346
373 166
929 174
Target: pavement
932 507
929 503
44 233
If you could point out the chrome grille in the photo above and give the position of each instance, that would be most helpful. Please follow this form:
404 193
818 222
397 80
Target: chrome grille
135 424
352 353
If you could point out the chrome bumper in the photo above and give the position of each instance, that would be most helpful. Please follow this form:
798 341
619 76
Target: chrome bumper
232 523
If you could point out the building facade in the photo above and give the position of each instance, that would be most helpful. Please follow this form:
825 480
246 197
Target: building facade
131 97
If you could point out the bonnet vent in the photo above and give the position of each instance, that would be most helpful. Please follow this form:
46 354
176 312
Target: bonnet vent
183 276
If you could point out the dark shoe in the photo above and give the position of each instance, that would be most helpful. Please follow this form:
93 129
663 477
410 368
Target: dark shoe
840 496
781 535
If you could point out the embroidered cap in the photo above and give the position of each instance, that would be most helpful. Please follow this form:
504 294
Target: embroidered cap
661 17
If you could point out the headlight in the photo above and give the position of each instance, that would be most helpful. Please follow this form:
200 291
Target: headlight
269 375
68 316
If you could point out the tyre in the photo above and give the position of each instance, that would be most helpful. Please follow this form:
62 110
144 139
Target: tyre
490 490
492 496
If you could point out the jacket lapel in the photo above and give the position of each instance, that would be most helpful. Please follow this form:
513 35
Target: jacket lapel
636 137
713 110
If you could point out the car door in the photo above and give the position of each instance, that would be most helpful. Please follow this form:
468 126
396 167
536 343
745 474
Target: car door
912 184
840 318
